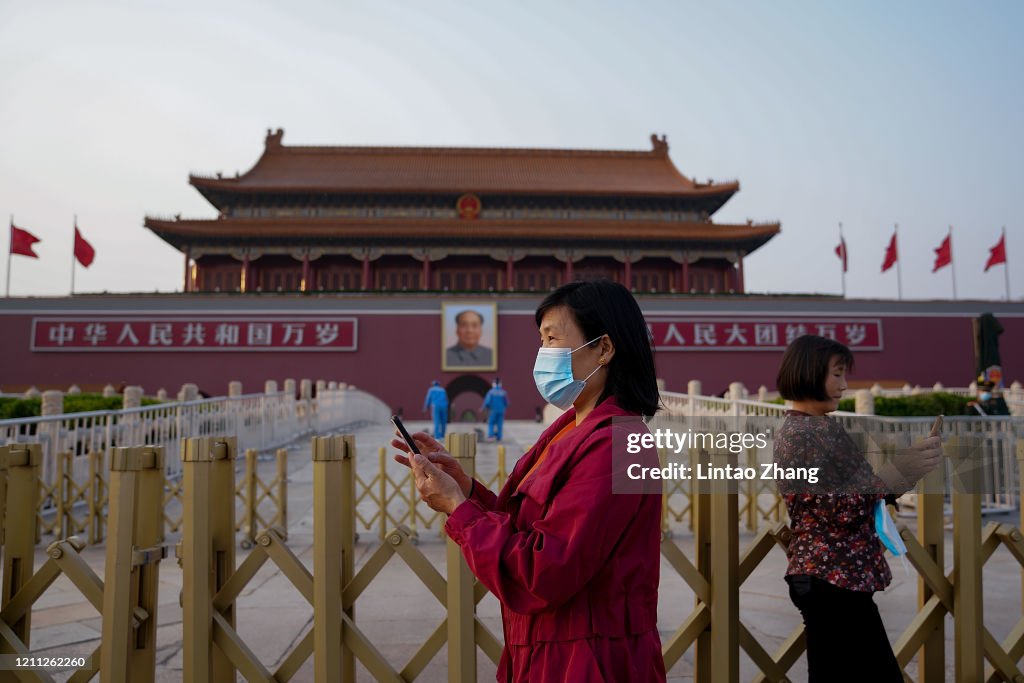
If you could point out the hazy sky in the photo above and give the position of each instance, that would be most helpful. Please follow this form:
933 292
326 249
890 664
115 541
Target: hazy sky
870 113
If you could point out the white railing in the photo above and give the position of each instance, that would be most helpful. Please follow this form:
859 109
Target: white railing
990 442
683 405
260 421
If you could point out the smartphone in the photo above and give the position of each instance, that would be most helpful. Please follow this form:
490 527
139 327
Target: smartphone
937 427
405 433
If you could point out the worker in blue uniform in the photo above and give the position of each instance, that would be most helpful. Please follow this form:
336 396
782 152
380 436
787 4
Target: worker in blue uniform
437 402
495 401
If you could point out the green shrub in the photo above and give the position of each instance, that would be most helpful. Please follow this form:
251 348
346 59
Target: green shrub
14 408
922 405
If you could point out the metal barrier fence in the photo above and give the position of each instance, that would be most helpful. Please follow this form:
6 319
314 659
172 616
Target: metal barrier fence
73 508
214 651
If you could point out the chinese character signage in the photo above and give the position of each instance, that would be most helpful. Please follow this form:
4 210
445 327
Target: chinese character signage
174 333
705 334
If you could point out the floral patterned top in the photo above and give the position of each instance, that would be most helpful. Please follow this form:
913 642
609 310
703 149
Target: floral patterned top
833 525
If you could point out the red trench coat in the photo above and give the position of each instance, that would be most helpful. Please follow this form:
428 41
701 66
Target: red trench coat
574 566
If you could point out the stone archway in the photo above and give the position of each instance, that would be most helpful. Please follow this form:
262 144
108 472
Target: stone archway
471 390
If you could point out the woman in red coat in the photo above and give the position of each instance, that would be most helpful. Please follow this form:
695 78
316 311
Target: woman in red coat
574 565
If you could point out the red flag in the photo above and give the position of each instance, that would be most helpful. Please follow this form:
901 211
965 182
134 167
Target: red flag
22 241
944 254
997 254
841 252
890 254
83 250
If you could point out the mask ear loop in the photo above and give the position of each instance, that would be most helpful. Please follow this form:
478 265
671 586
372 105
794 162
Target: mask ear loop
587 344
599 366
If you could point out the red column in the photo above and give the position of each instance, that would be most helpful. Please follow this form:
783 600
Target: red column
628 275
366 272
426 273
685 288
305 272
188 270
739 272
510 282
245 284
568 271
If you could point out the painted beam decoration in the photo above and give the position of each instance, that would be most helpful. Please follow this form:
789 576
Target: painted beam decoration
753 334
195 333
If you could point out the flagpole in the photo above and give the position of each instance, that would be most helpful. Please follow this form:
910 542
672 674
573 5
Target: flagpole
899 271
842 263
73 256
10 248
952 263
1006 261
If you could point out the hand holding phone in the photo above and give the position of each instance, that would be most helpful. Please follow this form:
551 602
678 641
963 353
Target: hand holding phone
397 421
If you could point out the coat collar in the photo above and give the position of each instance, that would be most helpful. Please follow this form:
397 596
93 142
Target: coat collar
539 482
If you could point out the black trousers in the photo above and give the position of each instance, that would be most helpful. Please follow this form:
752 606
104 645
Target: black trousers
846 640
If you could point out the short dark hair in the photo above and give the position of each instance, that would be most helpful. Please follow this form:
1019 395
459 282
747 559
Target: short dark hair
805 367
469 310
602 307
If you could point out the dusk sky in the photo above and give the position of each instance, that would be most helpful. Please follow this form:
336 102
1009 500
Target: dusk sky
869 113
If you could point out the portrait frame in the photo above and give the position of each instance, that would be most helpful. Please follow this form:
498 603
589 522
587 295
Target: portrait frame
451 348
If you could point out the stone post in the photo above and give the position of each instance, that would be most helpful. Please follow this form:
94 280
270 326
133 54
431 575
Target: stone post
876 389
332 386
321 386
132 397
109 391
736 391
306 389
693 387
74 389
289 387
161 394
52 403
938 387
661 383
270 386
864 402
234 388
189 392
762 393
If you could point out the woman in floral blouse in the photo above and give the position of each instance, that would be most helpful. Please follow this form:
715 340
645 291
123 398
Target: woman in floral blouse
835 555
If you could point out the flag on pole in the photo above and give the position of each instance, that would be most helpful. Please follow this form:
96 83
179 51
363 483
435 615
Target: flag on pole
997 254
891 256
22 241
944 254
841 252
83 250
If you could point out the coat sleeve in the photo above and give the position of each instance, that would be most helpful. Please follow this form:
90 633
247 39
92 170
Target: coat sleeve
483 495
539 569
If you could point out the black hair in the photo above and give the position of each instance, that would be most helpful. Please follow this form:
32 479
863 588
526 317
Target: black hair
805 367
469 310
602 307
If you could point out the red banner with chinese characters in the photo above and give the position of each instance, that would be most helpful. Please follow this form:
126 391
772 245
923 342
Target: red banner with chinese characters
707 334
176 333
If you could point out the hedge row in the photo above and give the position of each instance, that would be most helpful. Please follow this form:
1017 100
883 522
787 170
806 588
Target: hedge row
13 408
922 405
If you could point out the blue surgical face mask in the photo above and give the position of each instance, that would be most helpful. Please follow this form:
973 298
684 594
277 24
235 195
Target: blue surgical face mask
552 372
889 535
985 396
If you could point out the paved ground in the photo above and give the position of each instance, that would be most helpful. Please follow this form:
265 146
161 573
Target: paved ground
397 613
